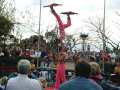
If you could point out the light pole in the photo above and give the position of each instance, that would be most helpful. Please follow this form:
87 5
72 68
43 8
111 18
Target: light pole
84 37
39 26
39 32
104 19
104 38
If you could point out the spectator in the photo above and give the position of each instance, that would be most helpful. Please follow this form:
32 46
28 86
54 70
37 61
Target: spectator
95 72
92 59
81 82
33 65
22 82
1 88
117 69
116 76
1 52
76 57
3 82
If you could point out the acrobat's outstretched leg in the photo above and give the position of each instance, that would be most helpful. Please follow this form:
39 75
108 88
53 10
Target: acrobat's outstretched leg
61 25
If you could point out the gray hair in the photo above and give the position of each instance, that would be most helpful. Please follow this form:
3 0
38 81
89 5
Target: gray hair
24 66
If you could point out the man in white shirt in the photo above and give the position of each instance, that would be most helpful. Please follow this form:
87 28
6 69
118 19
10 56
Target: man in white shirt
22 82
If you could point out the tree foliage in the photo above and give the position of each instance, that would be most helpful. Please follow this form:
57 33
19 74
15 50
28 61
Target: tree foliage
5 26
7 18
52 40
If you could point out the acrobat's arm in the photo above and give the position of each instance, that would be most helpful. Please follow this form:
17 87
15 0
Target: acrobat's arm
57 16
68 22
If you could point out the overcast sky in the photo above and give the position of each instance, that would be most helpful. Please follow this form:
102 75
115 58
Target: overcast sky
85 8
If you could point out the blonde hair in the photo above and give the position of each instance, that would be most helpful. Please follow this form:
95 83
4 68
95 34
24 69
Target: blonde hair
95 68
117 69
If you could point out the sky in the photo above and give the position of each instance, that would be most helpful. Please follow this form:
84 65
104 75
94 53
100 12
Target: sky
85 8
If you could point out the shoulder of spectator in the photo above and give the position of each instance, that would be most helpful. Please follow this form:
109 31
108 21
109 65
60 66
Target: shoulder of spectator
96 85
66 84
36 83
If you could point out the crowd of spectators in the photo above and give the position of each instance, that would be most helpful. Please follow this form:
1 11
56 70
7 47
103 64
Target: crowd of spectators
91 73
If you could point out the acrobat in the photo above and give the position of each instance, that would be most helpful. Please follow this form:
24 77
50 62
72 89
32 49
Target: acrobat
62 26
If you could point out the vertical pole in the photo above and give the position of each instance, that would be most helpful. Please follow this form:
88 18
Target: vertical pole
58 39
104 19
83 45
104 38
39 32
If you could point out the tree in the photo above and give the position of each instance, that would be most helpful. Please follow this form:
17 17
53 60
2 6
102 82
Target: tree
7 10
52 39
5 26
71 42
117 44
32 43
95 25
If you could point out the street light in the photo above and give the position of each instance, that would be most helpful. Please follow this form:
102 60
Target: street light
39 31
84 37
104 38
39 26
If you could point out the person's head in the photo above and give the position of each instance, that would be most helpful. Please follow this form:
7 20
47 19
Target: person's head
76 58
61 48
92 59
118 64
95 68
32 65
83 69
24 66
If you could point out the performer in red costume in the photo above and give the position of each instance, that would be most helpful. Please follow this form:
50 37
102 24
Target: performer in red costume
61 25
60 70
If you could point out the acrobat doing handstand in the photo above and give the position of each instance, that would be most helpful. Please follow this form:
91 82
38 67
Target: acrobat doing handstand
60 70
